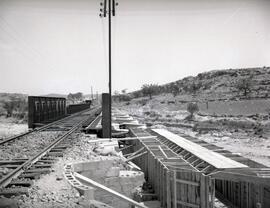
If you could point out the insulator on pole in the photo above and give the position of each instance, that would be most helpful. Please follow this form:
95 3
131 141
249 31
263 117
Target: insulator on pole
113 7
105 8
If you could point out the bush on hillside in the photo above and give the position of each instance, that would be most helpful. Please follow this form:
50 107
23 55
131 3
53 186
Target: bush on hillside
16 107
192 108
142 102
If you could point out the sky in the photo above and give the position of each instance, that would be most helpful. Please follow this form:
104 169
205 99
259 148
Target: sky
60 46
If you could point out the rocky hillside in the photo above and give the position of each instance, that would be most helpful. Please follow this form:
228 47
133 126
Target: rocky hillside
231 84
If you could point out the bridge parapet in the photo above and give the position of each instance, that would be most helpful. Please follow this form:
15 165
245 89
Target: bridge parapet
42 110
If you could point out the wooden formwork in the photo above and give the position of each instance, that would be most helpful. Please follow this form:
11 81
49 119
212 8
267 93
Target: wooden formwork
179 182
243 194
176 184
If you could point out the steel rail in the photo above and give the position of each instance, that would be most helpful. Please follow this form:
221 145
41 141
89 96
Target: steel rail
15 173
42 128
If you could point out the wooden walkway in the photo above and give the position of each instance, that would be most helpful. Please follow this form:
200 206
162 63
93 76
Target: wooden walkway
215 159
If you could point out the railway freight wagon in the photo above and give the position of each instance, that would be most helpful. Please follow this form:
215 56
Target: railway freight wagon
43 110
74 108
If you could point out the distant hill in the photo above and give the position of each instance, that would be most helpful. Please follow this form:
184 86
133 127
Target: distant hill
8 96
55 95
220 84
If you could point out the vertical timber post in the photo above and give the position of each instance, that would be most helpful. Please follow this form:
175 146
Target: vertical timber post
105 116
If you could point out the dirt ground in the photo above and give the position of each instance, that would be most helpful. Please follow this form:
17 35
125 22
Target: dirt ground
10 127
246 134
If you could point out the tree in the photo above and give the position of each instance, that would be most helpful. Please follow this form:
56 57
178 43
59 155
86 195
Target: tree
194 87
244 85
137 94
11 105
75 96
149 90
192 108
116 92
174 89
124 91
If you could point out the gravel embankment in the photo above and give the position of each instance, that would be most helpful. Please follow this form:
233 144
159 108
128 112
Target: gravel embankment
52 190
26 147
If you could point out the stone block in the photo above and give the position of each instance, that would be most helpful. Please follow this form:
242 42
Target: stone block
89 193
88 174
113 181
90 165
99 173
120 204
105 199
77 167
113 172
96 204
105 164
116 188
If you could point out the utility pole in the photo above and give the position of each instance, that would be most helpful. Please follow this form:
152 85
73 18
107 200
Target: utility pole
109 9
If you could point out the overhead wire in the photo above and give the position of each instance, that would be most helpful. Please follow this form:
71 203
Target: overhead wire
15 36
104 41
114 27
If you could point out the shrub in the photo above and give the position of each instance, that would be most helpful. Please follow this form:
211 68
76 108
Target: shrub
192 108
142 102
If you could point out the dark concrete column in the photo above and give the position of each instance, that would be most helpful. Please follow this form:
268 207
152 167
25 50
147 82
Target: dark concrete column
31 108
105 115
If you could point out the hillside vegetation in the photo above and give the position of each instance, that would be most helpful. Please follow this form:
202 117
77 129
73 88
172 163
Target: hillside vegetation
13 105
233 84
231 109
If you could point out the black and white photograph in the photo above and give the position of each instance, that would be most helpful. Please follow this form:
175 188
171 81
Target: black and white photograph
134 103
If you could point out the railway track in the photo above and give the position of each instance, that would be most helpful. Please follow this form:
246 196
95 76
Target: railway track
27 156
55 123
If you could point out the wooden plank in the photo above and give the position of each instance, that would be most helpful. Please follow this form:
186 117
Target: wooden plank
206 191
213 158
136 156
174 190
168 189
124 148
176 163
108 190
236 177
162 152
212 193
188 204
202 192
136 152
187 182
136 138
